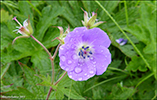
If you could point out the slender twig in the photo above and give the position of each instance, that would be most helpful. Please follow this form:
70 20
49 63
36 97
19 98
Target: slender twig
126 13
60 78
47 53
54 55
49 93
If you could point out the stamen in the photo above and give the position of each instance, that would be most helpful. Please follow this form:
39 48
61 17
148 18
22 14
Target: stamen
83 57
17 21
86 48
88 56
82 47
79 53
90 52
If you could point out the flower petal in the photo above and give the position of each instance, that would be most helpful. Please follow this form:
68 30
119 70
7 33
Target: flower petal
96 36
82 72
74 37
102 58
25 23
68 58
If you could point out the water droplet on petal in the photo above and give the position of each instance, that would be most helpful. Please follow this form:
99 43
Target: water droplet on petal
74 56
81 61
91 58
94 62
70 76
63 58
101 50
67 69
69 61
105 55
80 79
91 72
61 47
76 30
85 74
78 69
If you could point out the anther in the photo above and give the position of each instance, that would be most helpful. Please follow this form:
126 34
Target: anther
86 48
90 52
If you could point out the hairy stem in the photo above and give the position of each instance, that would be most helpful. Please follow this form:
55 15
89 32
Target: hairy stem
49 93
60 78
52 58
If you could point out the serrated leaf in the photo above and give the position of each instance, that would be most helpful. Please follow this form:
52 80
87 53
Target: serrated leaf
41 61
46 81
5 16
4 69
73 94
45 21
59 94
136 63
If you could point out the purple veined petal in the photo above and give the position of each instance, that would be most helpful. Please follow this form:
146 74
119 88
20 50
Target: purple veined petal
75 36
82 72
101 58
68 58
96 36
121 41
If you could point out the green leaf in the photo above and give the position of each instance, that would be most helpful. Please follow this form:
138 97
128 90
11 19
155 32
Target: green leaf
46 20
4 69
135 64
123 93
46 80
5 16
41 61
73 94
59 94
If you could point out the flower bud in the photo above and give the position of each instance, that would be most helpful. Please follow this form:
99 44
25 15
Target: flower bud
90 22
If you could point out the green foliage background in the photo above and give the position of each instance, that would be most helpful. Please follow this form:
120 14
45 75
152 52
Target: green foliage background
26 68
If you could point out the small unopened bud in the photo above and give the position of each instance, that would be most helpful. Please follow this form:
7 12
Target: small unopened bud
62 35
90 22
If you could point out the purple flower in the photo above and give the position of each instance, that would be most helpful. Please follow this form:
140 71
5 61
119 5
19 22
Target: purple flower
121 41
85 53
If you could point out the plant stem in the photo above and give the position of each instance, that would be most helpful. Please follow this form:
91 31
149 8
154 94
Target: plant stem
126 13
49 93
60 78
125 35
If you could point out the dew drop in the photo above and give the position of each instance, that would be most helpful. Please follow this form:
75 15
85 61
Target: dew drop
94 62
70 76
76 30
67 69
80 79
63 58
91 58
81 61
69 61
91 72
78 70
61 47
105 55
71 40
85 74
102 51
74 56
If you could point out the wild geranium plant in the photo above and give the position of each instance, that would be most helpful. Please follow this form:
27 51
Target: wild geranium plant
83 52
